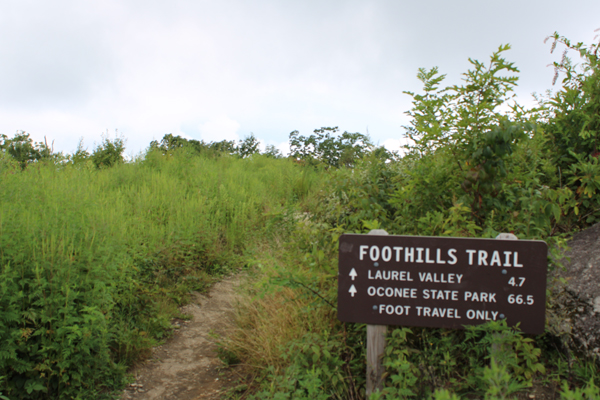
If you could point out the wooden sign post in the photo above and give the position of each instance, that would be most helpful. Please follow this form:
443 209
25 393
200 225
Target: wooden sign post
438 282
375 347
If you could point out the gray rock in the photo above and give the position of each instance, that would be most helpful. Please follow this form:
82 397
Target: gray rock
574 309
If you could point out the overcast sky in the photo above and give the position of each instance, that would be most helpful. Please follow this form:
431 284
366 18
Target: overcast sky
217 70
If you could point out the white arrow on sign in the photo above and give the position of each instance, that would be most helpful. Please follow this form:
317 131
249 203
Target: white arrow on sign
352 290
353 274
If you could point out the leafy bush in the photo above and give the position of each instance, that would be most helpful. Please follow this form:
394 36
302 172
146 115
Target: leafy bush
80 157
244 148
109 152
248 146
490 358
22 148
332 151
572 118
272 151
468 153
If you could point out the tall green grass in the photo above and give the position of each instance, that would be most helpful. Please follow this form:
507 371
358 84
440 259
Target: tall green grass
93 263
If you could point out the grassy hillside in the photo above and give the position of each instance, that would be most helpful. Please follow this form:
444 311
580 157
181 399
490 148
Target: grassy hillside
94 262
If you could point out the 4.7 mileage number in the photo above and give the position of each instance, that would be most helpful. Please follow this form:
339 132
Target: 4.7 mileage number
516 281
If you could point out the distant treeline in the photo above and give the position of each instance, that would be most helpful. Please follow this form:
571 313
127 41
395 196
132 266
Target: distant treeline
325 147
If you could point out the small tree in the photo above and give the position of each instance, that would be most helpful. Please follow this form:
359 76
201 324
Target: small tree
574 111
23 149
467 124
80 155
573 126
324 147
272 152
223 147
248 146
109 152
169 143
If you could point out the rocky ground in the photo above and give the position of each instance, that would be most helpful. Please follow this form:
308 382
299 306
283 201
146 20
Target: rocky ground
575 311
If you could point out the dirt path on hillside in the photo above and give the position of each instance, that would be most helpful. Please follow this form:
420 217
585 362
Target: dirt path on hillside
186 367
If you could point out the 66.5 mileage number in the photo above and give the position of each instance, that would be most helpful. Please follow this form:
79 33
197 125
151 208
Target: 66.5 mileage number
520 299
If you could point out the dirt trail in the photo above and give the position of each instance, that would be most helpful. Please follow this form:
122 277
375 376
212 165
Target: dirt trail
186 367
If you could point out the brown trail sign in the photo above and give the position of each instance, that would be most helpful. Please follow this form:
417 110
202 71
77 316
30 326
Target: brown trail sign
441 282
438 282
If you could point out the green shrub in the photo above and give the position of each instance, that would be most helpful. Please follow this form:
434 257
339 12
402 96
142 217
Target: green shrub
108 152
323 147
23 149
572 118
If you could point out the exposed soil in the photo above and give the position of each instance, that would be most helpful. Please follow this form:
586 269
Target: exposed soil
186 367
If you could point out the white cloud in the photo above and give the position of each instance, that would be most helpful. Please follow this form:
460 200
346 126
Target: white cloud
219 128
394 144
261 145
64 128
284 147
